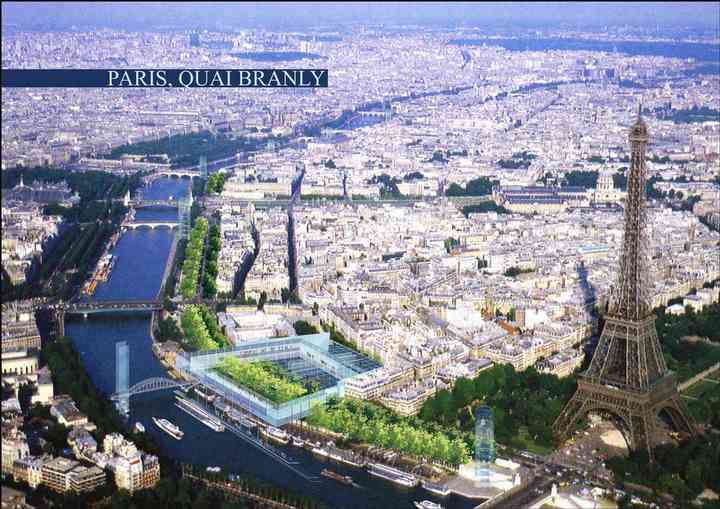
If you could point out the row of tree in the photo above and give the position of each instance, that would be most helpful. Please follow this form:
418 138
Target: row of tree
211 266
200 328
488 206
193 258
481 186
369 423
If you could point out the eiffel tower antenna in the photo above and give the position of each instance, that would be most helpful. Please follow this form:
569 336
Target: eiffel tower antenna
628 380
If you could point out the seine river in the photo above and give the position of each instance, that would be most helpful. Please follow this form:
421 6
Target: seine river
141 257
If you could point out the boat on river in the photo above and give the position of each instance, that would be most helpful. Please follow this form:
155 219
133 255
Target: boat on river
428 504
345 479
169 428
139 427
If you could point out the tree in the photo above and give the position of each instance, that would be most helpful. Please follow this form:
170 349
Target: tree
262 301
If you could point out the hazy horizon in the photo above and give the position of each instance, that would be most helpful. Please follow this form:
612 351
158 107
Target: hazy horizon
283 15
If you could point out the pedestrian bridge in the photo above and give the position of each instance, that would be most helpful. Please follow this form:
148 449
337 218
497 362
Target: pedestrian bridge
151 385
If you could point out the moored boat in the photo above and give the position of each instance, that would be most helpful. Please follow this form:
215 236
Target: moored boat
199 413
320 451
438 489
392 474
276 434
139 427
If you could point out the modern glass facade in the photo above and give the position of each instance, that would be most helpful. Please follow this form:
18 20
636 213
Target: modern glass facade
484 434
313 356
122 376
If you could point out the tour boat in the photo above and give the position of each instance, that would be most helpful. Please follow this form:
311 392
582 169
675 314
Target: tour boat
345 479
427 504
139 427
169 428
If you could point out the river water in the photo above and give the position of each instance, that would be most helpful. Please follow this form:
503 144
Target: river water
141 257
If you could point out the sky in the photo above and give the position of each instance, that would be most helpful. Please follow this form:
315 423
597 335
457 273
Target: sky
288 15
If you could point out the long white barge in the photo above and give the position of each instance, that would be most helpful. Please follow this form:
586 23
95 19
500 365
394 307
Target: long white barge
392 474
199 413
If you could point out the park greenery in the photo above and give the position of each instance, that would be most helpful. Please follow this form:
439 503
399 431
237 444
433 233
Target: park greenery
286 296
367 422
186 149
201 329
682 337
488 206
696 114
516 271
388 186
266 379
703 400
519 160
193 258
451 243
211 258
682 471
303 328
89 185
480 186
525 404
215 183
578 178
415 175
168 330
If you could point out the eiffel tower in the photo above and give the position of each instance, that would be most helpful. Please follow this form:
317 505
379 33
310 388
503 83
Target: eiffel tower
628 380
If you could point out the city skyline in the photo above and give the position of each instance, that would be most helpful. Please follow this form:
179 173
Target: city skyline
283 16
